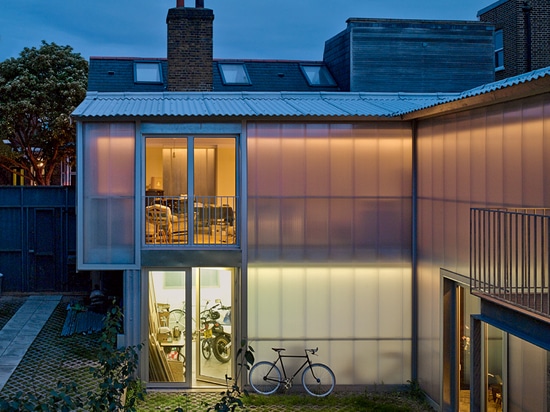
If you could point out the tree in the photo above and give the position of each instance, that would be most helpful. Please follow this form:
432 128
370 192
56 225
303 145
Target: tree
38 92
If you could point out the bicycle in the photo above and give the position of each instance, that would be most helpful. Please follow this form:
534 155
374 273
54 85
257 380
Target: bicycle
176 318
317 378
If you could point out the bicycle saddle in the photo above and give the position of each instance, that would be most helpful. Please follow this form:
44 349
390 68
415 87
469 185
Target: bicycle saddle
278 350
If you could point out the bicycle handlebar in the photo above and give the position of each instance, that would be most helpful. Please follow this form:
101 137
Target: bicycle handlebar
312 351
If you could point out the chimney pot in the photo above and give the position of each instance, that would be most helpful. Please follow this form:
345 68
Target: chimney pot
180 3
199 4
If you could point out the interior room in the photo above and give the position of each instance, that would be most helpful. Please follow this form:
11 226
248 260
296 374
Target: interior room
188 176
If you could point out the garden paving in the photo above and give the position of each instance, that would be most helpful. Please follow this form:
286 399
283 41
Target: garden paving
53 358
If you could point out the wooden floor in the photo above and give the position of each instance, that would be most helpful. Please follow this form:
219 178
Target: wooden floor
492 404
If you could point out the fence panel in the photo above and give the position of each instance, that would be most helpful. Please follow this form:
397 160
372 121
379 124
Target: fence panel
38 240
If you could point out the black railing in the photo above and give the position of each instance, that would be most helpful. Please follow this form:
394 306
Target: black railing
213 221
510 256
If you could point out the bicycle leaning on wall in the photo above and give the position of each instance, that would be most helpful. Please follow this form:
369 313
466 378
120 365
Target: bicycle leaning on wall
266 378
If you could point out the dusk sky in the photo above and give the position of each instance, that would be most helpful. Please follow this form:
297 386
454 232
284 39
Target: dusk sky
243 29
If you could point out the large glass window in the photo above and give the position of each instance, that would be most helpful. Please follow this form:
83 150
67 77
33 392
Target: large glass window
190 199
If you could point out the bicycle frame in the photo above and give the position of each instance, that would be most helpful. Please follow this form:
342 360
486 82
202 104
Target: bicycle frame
280 360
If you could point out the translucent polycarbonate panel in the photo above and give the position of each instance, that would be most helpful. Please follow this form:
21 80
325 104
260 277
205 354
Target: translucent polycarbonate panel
293 236
341 229
108 193
109 158
527 385
265 298
317 159
488 157
366 309
293 167
325 191
294 287
265 167
317 220
267 216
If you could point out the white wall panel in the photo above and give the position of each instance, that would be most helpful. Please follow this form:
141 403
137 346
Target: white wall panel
487 157
358 317
329 206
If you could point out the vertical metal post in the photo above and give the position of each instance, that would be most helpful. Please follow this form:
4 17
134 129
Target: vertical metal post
476 364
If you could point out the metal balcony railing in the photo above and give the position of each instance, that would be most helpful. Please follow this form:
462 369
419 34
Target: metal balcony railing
209 221
510 256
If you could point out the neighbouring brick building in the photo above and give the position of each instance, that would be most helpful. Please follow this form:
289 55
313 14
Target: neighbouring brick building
522 35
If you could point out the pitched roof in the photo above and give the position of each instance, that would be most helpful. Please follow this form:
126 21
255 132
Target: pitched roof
116 74
303 104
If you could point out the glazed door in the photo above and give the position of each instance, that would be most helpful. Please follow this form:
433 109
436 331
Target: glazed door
213 348
171 326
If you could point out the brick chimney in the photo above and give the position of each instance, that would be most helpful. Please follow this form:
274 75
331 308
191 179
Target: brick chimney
190 47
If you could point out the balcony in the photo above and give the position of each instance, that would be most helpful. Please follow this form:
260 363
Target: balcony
213 222
509 257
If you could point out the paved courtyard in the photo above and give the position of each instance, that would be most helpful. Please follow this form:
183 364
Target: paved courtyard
34 357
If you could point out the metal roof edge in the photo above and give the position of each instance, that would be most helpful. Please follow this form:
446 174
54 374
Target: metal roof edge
513 88
490 7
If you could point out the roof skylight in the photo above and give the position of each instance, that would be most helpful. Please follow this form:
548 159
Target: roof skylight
147 72
317 75
234 73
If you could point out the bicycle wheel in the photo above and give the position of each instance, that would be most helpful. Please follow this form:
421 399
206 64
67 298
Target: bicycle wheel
265 377
206 348
176 317
222 348
318 380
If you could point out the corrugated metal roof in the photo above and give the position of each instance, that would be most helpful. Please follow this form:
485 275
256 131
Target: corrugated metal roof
279 104
490 87
240 104
501 84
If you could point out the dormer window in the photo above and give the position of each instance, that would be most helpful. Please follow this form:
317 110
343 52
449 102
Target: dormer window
234 73
147 72
317 75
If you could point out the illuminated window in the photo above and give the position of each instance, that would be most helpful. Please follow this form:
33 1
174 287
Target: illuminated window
318 75
234 73
147 72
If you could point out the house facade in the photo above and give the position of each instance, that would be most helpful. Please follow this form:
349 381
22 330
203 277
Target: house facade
350 221
522 35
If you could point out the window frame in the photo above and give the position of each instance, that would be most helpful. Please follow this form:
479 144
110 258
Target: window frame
150 63
323 73
498 51
227 82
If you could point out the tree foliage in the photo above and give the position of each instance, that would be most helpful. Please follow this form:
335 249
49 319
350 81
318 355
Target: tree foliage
38 92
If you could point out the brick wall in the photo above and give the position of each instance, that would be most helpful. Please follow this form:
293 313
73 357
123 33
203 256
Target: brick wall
521 53
190 49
